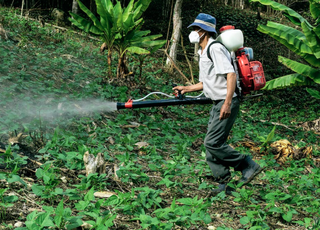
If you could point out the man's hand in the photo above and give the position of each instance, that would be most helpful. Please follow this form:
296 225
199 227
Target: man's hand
180 88
189 88
225 111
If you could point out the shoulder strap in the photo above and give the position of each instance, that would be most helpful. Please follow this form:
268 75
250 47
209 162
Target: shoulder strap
237 90
208 50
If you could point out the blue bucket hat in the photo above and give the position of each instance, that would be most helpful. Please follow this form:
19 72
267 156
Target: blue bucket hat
205 22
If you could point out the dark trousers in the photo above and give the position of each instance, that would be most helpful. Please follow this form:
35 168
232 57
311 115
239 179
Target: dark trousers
220 156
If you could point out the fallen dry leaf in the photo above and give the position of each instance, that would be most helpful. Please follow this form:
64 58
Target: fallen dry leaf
141 144
283 150
104 194
16 139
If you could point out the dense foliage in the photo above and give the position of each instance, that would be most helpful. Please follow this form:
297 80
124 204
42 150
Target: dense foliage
163 185
304 41
119 29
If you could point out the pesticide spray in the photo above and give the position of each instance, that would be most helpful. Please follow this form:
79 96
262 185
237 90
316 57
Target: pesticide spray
50 110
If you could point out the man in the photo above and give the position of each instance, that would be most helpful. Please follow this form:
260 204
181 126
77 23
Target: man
217 79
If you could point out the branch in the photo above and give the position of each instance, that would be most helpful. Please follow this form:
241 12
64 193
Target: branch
174 65
189 64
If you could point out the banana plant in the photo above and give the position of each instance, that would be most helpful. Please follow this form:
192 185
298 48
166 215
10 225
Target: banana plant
119 28
303 39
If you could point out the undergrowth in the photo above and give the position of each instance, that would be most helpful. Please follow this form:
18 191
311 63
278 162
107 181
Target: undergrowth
164 185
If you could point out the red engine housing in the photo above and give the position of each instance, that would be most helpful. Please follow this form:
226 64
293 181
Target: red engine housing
251 73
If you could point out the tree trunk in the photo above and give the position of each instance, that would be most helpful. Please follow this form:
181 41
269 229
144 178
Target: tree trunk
109 62
22 6
122 70
75 7
196 55
177 24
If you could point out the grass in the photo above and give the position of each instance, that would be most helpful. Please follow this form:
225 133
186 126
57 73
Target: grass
165 185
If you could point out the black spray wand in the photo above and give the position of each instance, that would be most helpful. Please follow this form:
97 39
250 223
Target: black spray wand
178 99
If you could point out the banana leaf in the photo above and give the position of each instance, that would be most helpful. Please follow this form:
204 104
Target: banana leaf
143 4
95 20
288 35
137 11
146 38
288 81
310 58
313 39
137 50
117 15
128 11
317 30
105 16
128 24
292 15
315 10
84 24
108 5
302 69
147 44
314 93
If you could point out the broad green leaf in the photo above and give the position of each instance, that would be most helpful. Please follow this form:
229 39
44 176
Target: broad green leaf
95 20
302 69
292 39
10 199
105 16
32 215
136 35
293 16
314 93
143 4
112 200
74 223
128 23
148 44
108 5
137 50
317 30
117 15
128 11
44 220
109 221
313 39
32 225
244 220
304 52
59 214
275 209
146 39
137 12
84 24
89 196
315 9
186 201
288 81
287 216
16 178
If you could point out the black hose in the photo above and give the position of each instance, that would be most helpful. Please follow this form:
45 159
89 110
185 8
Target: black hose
165 102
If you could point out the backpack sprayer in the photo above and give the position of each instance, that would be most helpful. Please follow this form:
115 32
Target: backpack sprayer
250 75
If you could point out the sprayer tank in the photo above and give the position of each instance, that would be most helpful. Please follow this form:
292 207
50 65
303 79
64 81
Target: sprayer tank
232 38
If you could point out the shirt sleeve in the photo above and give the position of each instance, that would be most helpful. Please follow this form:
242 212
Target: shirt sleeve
221 59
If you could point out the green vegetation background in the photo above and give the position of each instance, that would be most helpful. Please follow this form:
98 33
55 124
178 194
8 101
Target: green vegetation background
166 184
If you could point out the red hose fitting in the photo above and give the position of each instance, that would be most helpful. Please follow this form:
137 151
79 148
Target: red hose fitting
128 104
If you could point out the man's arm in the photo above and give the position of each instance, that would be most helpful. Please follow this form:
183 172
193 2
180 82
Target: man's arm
231 87
190 88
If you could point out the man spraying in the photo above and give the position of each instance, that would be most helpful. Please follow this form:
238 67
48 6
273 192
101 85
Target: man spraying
217 79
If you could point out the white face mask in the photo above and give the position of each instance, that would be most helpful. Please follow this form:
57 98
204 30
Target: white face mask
194 37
